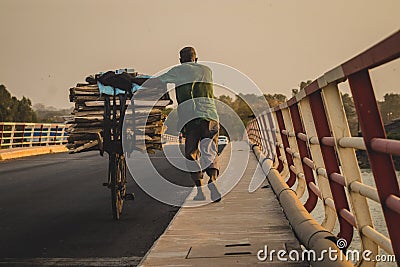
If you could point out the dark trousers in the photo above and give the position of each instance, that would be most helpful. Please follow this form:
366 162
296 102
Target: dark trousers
201 147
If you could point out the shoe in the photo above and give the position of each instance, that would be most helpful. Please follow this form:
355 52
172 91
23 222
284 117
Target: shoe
200 196
215 194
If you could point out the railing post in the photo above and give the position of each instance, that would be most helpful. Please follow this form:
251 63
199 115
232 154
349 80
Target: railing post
48 135
23 135
351 172
280 147
316 155
331 164
303 151
268 130
12 135
381 164
262 136
32 135
62 134
274 142
293 150
1 134
269 144
292 178
40 134
250 131
55 135
257 133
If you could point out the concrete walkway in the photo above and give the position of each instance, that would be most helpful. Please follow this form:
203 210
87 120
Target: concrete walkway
228 233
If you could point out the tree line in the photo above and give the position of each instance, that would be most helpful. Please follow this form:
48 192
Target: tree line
21 110
389 109
14 110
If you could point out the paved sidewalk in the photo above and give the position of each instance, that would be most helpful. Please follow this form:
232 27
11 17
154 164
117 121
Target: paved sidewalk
20 152
228 233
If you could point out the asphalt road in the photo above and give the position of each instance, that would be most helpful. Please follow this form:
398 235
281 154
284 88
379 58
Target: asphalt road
54 206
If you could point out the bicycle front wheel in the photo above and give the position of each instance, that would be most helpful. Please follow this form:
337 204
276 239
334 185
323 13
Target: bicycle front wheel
118 184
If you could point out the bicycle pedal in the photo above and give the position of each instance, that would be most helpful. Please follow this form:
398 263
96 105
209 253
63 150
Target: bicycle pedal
130 196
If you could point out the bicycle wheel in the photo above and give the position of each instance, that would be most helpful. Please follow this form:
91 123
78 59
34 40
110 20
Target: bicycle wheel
118 184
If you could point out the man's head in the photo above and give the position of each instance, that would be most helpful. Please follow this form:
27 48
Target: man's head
187 54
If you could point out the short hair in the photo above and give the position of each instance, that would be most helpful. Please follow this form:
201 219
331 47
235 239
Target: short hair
188 53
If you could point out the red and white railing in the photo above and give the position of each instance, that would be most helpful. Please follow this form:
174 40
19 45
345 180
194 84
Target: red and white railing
309 140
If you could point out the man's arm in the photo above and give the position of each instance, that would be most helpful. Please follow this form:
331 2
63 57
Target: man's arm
171 76
149 82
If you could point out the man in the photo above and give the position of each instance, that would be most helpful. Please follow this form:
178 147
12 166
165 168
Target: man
198 117
180 137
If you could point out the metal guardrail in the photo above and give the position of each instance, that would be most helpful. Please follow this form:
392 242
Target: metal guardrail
170 138
309 140
19 134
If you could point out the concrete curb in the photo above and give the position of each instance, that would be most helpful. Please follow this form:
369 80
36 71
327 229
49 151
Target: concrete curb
6 154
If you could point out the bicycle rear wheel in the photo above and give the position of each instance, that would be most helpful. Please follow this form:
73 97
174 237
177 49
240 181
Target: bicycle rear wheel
118 184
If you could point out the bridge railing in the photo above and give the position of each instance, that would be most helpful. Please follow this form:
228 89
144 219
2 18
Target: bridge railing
170 138
309 140
19 134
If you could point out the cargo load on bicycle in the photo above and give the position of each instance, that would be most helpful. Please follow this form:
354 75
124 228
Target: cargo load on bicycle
92 116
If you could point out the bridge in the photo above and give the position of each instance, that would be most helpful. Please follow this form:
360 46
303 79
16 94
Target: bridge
54 214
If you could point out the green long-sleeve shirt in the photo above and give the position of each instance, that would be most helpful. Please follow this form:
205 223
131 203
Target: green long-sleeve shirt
194 91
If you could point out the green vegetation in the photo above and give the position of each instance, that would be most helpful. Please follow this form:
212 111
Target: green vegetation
51 114
241 106
389 109
14 110
351 114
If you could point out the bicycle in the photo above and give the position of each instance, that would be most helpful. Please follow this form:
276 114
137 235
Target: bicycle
114 114
115 106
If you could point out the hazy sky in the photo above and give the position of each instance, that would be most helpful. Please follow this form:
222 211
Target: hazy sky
48 46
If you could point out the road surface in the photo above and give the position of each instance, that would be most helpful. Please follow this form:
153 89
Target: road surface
53 208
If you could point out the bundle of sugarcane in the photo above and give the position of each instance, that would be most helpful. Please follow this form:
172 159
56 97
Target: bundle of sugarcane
143 119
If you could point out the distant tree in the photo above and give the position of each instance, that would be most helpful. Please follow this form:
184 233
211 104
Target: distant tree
242 108
245 106
275 99
25 112
14 110
6 104
51 114
351 113
389 107
226 99
303 84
